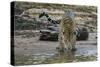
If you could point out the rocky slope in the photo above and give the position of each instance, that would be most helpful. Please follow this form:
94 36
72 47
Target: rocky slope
26 14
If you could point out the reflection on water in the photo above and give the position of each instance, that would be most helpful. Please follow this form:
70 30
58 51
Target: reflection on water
58 57
68 56
83 53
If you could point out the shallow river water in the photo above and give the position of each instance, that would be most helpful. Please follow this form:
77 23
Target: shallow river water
32 51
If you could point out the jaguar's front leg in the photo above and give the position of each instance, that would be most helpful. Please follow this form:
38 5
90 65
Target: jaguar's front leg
61 46
74 43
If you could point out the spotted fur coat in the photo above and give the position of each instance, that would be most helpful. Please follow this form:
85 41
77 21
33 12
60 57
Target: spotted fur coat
67 37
